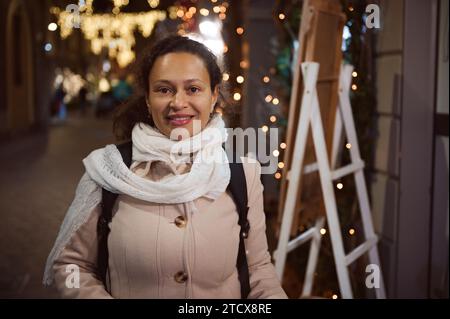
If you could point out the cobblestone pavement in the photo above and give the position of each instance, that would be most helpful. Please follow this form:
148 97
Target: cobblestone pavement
39 174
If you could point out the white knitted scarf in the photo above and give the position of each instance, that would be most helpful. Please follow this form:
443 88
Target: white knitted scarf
209 175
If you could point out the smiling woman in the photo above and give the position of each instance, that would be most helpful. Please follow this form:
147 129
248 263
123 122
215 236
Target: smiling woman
179 82
171 223
180 92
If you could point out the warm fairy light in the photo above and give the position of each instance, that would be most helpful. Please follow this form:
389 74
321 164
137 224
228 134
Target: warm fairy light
277 175
264 128
225 76
266 79
180 13
283 146
52 26
240 30
350 8
268 98
222 16
275 101
281 16
354 74
323 231
243 64
236 96
348 146
276 153
153 3
213 1
225 48
192 10
223 9
280 165
240 79
273 118
334 297
103 85
216 9
204 12
339 185
354 87
351 231
116 30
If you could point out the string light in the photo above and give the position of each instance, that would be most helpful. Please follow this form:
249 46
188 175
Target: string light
225 48
240 79
277 175
266 79
283 146
334 297
52 26
281 16
225 76
240 30
264 128
273 118
117 31
276 153
204 12
348 146
280 165
339 186
354 74
153 3
236 96
354 87
216 9
350 8
268 98
275 101
243 64
323 231
351 231
222 16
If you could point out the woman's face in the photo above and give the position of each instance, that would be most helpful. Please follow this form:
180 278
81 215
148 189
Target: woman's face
180 93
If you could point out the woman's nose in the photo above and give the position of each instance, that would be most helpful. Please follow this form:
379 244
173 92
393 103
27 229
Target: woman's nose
179 100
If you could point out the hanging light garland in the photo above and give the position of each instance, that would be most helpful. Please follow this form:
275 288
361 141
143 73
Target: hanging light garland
111 31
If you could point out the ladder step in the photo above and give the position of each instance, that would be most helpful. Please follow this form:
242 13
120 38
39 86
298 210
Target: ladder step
360 250
346 170
310 168
302 238
336 174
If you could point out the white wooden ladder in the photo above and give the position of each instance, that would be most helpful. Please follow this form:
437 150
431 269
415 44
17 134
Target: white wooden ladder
310 114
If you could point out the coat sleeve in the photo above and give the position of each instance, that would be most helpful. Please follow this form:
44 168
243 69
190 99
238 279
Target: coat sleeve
264 283
80 253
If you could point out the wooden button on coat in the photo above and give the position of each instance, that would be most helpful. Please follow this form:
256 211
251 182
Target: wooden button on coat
180 221
180 277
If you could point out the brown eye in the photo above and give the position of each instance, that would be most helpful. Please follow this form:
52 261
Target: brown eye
194 89
163 90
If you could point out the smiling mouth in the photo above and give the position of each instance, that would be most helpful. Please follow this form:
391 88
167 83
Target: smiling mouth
180 120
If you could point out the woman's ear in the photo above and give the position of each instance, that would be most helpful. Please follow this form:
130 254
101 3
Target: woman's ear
215 97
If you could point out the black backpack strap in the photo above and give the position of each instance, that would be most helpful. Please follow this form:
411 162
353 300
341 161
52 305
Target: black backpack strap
108 200
238 189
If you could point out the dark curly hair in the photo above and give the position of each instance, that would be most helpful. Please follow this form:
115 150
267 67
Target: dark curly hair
135 110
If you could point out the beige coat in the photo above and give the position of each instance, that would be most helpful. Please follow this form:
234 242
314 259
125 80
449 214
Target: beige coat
166 251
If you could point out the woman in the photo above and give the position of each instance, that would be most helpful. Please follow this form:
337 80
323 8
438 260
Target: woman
174 231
